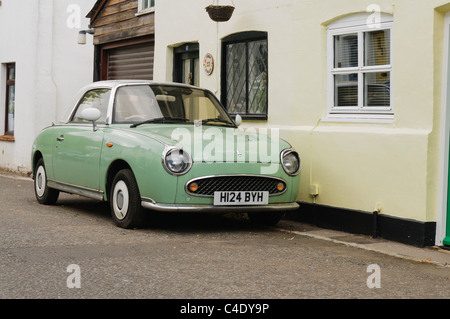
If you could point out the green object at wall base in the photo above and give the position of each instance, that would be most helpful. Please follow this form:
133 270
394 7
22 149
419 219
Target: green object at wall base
447 241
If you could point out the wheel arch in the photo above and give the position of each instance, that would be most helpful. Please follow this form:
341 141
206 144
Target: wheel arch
113 169
36 157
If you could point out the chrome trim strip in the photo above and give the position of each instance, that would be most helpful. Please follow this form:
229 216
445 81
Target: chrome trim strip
148 199
75 189
219 209
233 175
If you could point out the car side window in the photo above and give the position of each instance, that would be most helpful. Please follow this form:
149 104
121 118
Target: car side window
98 99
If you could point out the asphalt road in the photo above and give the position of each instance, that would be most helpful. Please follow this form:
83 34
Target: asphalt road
72 250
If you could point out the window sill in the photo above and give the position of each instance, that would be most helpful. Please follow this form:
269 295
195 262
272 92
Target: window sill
347 118
7 138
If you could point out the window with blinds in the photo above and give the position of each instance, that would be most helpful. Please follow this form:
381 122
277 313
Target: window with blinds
360 69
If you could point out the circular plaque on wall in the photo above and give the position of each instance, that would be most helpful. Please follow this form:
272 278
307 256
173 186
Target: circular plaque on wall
208 64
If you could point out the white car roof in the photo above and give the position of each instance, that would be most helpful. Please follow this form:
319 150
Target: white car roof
114 83
111 84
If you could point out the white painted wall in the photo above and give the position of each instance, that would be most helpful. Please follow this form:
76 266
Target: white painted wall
40 36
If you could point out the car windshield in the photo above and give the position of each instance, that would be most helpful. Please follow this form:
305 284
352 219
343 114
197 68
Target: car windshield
145 104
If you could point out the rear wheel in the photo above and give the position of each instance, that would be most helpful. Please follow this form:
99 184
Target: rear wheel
44 194
125 200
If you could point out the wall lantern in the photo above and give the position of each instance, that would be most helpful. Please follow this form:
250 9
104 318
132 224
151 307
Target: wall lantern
220 13
82 35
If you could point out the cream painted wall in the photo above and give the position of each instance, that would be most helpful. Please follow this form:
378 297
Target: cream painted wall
359 166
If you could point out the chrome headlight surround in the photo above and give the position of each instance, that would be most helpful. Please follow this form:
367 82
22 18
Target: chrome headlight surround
176 161
290 161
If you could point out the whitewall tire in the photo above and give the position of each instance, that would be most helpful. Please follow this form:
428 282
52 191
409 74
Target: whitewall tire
125 201
44 194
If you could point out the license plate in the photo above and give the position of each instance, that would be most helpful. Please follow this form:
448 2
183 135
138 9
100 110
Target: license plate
241 198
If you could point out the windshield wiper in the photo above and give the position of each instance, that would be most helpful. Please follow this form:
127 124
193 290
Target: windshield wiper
161 120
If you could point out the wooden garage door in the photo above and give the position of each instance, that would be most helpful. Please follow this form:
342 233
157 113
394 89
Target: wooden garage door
131 62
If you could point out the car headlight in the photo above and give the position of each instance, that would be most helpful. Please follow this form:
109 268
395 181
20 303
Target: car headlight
290 161
176 161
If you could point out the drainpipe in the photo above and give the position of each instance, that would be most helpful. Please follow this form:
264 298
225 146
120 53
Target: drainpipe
375 214
375 224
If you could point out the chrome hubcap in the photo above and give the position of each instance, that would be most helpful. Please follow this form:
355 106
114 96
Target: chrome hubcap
120 200
40 181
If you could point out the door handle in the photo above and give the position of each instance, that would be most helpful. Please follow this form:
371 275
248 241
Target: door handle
60 138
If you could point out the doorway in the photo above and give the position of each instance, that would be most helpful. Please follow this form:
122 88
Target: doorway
186 64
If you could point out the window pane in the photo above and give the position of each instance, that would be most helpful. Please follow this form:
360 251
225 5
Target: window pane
377 89
377 44
135 104
98 99
257 77
346 51
11 106
236 78
196 71
246 76
11 73
346 90
10 98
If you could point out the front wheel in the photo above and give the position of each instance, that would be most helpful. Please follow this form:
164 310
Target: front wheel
44 194
125 201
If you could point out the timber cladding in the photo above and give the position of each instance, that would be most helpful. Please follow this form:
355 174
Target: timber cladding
116 20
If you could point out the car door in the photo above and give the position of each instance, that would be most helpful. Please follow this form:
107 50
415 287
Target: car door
76 156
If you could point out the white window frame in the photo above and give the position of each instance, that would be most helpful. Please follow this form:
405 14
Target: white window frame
357 24
142 10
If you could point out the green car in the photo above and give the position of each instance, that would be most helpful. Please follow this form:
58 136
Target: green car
145 146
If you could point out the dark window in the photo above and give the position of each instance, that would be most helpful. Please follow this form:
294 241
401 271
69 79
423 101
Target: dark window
245 74
186 64
10 98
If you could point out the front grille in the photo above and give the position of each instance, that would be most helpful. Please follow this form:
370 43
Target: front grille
208 185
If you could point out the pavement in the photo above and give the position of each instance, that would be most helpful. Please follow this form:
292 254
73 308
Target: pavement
429 255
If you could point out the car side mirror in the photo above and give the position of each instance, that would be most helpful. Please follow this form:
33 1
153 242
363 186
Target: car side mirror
91 114
238 120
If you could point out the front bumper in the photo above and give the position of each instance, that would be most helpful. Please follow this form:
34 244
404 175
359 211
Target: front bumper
197 208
